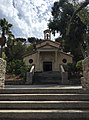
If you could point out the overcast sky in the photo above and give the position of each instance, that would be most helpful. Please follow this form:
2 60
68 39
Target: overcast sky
29 17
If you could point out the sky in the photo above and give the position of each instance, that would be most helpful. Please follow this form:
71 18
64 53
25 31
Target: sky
28 17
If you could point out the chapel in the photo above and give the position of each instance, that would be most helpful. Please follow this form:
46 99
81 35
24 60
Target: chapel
48 55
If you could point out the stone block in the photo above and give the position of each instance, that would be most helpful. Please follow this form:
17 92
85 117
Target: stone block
85 78
29 76
2 72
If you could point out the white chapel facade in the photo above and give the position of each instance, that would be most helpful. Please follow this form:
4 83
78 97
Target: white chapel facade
48 56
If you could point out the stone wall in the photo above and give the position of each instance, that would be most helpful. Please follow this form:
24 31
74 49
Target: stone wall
2 72
85 78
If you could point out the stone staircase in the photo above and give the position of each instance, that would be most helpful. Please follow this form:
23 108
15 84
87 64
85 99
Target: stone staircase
44 103
48 77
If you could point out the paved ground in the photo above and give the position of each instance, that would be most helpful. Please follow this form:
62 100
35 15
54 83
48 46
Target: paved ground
44 86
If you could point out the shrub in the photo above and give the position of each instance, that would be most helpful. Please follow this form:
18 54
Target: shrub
79 65
17 67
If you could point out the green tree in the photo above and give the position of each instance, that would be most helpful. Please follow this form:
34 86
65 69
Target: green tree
23 40
83 5
84 15
62 12
34 40
30 49
15 51
17 67
5 27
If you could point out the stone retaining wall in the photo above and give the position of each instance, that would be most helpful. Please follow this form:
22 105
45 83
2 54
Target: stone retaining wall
85 78
2 72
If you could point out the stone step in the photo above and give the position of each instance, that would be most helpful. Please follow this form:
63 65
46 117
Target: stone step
46 78
15 82
42 81
42 90
44 114
48 74
44 105
44 97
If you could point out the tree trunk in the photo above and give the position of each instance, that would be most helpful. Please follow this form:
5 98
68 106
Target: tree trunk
83 51
74 14
1 51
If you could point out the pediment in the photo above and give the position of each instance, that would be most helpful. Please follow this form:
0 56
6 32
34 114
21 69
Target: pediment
48 44
47 47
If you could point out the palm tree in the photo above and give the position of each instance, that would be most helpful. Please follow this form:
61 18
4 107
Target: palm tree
5 30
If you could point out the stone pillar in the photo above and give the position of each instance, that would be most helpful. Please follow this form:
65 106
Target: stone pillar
29 76
55 60
2 72
64 76
38 60
85 78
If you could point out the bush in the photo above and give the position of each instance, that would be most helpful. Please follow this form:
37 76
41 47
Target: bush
79 68
17 67
79 65
71 70
75 70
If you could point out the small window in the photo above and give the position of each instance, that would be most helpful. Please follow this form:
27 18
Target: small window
64 61
30 61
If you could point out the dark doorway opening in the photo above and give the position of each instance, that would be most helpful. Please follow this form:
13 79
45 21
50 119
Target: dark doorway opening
47 66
